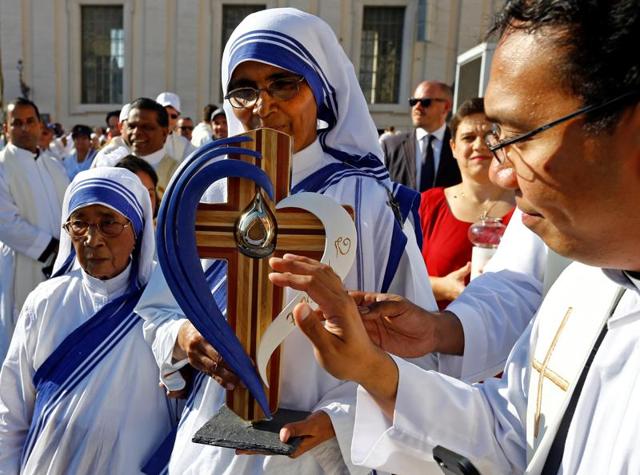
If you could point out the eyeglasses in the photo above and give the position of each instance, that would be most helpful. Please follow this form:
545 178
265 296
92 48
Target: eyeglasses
499 147
424 101
174 116
110 228
281 89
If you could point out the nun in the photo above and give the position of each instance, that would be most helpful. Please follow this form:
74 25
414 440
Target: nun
79 387
285 69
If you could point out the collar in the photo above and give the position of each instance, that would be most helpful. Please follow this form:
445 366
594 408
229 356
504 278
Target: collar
307 161
22 152
110 288
623 278
154 158
439 134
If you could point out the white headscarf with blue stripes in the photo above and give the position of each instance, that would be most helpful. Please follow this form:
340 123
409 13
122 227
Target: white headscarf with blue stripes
304 44
122 191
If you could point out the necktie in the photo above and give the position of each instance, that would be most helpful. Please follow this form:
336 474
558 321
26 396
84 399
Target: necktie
428 170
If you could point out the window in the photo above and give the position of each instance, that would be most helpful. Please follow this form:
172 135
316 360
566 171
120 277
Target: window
381 53
232 15
102 50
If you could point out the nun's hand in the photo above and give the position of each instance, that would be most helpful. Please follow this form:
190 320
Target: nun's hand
203 357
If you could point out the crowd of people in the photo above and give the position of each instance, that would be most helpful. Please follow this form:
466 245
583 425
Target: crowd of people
102 371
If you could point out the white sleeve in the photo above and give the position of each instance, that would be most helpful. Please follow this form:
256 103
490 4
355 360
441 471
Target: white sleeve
483 422
496 307
17 394
163 318
15 231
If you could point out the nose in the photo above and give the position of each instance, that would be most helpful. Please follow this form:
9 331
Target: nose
93 238
263 103
503 174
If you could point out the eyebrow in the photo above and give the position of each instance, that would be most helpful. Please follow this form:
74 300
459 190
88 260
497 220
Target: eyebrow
243 82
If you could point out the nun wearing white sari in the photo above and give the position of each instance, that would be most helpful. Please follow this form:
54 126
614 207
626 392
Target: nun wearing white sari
78 388
284 69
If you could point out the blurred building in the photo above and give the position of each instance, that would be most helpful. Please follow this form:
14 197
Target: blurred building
82 58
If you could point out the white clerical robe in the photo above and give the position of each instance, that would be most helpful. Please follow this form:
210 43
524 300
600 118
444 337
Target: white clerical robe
508 425
304 384
31 193
497 306
178 147
201 134
113 420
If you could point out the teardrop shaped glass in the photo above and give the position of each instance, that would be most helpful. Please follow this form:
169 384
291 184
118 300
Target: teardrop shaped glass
256 229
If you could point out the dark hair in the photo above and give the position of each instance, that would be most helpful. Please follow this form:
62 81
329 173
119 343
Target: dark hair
207 111
115 114
472 106
600 38
80 129
22 102
144 103
135 164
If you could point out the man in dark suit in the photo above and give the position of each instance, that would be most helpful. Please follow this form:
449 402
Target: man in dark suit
422 159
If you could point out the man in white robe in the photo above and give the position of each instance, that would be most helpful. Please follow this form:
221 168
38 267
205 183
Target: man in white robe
78 389
202 131
146 133
340 160
564 95
32 186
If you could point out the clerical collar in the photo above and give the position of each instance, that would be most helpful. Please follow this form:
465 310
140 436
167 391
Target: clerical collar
627 279
154 158
110 288
23 151
438 134
307 161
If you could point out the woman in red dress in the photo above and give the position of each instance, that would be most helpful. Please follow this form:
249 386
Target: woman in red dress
447 213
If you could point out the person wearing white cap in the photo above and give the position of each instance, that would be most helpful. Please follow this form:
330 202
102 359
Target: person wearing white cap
219 128
117 145
176 146
79 390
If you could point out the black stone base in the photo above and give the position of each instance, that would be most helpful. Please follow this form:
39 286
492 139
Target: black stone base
226 429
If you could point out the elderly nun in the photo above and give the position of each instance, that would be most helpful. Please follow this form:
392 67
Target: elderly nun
284 69
79 387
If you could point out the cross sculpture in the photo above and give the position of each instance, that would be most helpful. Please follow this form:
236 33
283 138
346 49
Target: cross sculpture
547 373
252 301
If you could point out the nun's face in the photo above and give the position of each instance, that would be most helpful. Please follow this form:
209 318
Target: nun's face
296 116
102 256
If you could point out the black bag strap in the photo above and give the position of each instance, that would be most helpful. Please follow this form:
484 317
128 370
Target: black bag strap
554 458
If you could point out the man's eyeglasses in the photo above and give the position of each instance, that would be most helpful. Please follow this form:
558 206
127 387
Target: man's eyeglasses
424 101
76 228
281 89
499 146
174 116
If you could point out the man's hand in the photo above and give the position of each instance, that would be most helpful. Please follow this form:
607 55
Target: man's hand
340 341
400 327
202 356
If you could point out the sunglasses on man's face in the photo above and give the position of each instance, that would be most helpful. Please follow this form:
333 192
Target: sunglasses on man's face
424 101
174 116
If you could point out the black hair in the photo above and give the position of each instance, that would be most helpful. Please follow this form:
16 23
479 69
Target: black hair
144 103
80 129
136 164
472 106
601 39
207 111
22 102
115 114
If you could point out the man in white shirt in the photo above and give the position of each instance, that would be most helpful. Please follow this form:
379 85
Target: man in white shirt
32 186
202 131
564 94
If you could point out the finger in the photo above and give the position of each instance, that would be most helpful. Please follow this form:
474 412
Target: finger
287 279
295 264
310 323
228 378
385 308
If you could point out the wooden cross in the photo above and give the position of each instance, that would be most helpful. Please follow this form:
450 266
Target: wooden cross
545 372
252 301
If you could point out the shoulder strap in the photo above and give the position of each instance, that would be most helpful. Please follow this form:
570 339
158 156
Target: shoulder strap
552 464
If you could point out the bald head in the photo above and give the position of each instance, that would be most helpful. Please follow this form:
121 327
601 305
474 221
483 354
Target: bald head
433 116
